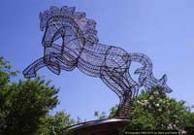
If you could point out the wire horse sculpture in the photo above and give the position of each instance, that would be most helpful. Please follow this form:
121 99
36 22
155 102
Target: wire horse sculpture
80 48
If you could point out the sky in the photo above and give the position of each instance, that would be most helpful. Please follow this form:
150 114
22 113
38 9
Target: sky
163 30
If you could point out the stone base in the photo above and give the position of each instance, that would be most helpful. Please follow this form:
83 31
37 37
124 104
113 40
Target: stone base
99 127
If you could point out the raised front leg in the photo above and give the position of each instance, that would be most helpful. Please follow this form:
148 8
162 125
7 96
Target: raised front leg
31 70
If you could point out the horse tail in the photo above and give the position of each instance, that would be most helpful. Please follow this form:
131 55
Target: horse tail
146 72
144 60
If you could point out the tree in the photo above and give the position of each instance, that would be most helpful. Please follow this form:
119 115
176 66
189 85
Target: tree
100 115
23 103
154 110
55 125
5 72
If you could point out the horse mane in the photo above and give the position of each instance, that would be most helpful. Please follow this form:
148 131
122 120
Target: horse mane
88 28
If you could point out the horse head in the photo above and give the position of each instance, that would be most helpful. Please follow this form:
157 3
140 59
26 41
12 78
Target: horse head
67 24
65 34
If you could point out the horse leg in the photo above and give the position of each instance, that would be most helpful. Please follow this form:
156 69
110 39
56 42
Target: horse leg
128 96
124 107
112 85
115 81
31 70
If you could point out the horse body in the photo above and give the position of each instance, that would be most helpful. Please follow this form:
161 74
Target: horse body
91 59
80 48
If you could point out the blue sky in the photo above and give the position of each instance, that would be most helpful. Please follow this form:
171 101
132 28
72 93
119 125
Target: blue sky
163 30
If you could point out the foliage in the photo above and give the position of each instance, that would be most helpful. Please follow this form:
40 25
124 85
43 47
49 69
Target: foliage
55 125
23 103
5 72
154 110
100 115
